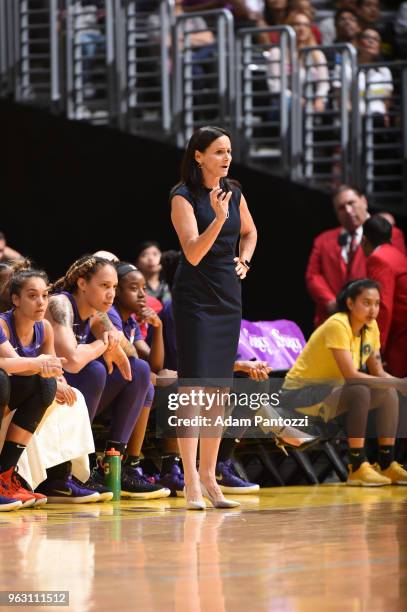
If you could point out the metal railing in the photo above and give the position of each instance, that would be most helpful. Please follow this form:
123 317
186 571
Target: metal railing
90 61
6 49
34 40
383 133
134 64
143 36
204 75
327 113
266 98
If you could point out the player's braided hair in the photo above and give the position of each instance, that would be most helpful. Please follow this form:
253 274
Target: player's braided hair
84 267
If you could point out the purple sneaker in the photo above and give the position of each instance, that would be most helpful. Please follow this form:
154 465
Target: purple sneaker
229 480
67 491
173 480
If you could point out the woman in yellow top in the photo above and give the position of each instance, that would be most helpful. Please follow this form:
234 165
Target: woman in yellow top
340 371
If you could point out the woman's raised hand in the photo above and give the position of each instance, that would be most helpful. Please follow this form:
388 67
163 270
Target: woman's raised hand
220 203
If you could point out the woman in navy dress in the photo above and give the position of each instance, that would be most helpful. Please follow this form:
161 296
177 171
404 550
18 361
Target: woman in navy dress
210 215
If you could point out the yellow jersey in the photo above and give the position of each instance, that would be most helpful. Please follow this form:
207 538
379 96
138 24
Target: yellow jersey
317 363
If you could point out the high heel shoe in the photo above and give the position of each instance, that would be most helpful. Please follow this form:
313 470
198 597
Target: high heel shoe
218 503
193 504
288 436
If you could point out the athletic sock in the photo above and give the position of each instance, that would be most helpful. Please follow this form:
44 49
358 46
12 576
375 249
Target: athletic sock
385 455
168 461
132 460
357 456
10 454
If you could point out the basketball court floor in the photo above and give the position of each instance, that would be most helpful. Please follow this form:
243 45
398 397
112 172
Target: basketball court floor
288 549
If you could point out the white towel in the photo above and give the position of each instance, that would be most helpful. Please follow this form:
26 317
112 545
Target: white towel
64 434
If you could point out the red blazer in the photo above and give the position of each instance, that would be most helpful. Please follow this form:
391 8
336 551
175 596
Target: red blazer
327 271
389 267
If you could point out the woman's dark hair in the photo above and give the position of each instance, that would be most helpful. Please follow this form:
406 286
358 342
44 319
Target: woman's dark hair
146 244
169 262
191 173
18 280
10 270
123 268
352 290
377 230
84 267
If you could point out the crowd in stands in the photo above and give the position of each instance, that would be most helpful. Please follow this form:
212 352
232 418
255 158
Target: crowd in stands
99 343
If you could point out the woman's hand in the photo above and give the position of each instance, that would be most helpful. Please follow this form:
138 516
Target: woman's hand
112 338
65 394
256 370
50 366
220 203
118 358
148 315
241 268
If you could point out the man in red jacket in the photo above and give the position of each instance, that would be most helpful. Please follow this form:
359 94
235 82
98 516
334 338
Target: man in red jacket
388 266
337 256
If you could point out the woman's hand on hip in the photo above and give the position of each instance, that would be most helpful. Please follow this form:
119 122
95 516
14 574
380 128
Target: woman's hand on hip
241 268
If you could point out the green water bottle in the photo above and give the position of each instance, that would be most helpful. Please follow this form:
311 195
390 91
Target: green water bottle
112 466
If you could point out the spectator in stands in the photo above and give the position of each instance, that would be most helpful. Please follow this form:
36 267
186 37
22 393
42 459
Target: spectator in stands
318 70
7 254
375 84
347 26
277 11
370 17
89 36
337 257
305 6
148 261
400 28
327 25
388 266
343 355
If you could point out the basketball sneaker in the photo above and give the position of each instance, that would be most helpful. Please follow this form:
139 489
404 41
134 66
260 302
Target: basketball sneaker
135 485
395 471
67 491
10 483
173 480
229 480
366 476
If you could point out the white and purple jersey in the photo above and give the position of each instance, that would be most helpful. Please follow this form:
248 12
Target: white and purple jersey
34 348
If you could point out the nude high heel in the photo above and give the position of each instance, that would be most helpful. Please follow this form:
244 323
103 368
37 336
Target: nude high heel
218 503
193 504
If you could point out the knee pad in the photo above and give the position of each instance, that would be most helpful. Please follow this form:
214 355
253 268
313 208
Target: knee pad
29 417
4 391
48 389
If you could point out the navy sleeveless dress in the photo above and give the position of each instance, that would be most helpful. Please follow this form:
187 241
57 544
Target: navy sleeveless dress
207 303
34 348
